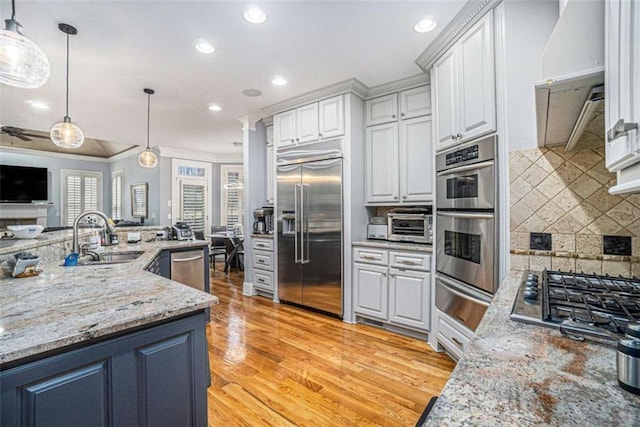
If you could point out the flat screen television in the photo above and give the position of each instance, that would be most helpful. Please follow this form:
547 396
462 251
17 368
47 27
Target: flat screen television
22 184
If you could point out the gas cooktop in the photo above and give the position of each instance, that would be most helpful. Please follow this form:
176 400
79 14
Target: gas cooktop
586 304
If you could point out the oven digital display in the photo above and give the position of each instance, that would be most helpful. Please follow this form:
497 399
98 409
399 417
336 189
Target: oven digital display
462 245
462 187
461 156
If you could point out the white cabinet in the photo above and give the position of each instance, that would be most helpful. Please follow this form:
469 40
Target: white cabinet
399 162
312 122
393 287
371 290
415 102
455 339
382 110
284 130
622 81
381 164
463 81
409 298
416 160
263 262
331 117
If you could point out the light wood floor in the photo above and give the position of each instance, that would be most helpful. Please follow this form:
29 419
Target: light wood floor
274 364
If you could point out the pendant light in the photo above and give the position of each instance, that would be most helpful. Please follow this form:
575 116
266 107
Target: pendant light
65 134
22 62
148 159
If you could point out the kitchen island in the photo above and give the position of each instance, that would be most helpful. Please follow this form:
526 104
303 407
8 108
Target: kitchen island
127 339
519 374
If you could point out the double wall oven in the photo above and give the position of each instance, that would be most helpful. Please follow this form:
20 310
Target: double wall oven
466 230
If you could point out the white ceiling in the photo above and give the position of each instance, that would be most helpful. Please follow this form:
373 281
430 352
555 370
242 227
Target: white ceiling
125 46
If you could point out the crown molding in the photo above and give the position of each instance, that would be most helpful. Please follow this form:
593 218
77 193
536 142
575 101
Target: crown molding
398 85
354 86
133 151
267 121
40 153
179 153
469 15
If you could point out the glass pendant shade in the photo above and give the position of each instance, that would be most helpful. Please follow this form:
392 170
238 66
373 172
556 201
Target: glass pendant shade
148 159
22 62
66 135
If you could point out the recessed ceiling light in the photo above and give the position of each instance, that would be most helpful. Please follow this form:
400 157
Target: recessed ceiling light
425 25
251 92
254 15
38 104
204 46
215 107
279 81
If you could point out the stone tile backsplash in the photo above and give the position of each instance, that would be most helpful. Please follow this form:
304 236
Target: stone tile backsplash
565 194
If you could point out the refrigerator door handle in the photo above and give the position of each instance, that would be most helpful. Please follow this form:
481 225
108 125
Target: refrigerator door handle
304 227
295 223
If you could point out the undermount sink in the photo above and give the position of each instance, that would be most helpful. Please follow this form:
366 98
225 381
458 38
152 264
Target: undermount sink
117 258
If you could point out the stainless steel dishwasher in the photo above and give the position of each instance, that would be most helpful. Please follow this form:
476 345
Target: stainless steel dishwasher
188 268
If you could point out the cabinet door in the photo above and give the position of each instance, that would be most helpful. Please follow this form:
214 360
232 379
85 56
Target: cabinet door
416 160
409 298
381 164
331 117
382 110
270 135
307 123
476 81
285 128
271 174
623 93
415 102
371 290
443 85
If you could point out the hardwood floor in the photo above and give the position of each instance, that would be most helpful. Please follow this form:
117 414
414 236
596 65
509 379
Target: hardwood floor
275 364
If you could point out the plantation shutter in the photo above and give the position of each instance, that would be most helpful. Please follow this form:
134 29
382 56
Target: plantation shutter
194 205
81 192
116 195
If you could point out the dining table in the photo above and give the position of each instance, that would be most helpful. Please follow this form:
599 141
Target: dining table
237 241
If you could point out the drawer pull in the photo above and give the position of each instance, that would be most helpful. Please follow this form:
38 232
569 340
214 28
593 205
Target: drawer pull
457 342
261 261
369 257
260 280
260 245
409 263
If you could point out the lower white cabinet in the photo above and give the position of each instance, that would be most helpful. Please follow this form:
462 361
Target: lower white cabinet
452 336
398 296
263 262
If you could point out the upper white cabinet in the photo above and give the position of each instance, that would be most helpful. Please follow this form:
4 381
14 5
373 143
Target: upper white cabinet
399 154
271 174
319 120
415 102
463 82
622 84
331 117
382 110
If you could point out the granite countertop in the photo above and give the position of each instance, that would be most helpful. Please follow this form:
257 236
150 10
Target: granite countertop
518 374
67 305
10 245
385 244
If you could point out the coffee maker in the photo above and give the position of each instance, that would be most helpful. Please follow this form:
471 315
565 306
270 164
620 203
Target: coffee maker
263 220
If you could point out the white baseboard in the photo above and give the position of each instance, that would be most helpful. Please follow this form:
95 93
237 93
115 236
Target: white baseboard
247 289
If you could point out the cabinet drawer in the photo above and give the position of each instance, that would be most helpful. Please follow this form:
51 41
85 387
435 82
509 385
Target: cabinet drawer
263 244
263 279
263 259
410 260
455 341
371 256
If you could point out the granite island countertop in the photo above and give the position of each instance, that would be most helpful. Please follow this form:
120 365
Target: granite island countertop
525 375
64 306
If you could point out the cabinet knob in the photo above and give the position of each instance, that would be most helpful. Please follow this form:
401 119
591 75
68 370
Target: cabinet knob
459 136
402 114
319 135
453 137
404 197
395 197
293 140
393 116
392 275
297 139
384 273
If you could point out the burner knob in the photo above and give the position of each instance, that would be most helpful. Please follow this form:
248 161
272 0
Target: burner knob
530 294
633 331
532 276
531 284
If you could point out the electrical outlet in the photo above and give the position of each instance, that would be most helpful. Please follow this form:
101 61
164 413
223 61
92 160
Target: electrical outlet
169 203
168 216
153 215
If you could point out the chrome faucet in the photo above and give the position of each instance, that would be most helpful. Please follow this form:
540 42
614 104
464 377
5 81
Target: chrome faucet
110 229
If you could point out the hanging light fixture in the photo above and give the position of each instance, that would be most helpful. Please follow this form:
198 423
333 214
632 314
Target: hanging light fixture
22 62
148 159
65 134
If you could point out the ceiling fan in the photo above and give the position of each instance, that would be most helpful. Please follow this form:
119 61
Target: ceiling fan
19 133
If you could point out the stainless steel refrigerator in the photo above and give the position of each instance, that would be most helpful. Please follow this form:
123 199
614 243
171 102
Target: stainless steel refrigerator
309 213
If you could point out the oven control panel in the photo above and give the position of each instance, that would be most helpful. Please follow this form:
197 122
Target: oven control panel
463 155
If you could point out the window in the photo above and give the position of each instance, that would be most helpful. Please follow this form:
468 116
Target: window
232 195
81 191
193 203
117 181
191 193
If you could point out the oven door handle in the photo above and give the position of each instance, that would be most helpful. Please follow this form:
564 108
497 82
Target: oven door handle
466 215
465 168
469 294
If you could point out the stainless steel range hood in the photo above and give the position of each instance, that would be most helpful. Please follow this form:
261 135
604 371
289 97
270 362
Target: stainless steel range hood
570 96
